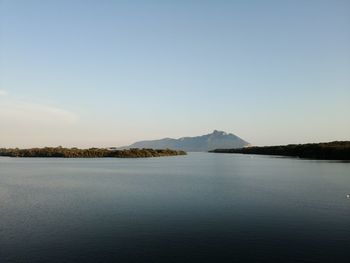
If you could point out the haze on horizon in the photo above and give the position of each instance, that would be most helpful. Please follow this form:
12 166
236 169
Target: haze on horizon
109 73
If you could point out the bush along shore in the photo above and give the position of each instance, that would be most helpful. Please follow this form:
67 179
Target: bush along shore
60 152
337 150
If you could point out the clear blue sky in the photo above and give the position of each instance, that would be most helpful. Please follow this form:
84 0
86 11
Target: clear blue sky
105 73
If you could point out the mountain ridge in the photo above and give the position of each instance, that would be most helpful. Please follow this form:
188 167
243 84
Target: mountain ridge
203 143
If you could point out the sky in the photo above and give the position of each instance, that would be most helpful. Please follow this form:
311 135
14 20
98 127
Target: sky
108 73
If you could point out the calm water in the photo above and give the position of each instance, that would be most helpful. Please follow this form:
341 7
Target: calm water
195 208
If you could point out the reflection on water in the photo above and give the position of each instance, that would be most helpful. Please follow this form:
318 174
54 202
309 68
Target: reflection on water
200 207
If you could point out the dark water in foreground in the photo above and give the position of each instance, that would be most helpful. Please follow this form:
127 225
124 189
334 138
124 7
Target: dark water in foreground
195 208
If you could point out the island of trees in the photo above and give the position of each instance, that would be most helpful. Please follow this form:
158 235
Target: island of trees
337 150
60 152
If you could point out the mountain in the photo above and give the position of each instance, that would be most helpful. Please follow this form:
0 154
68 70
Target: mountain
204 143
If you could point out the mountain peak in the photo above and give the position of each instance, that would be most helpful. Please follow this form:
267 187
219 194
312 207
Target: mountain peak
216 132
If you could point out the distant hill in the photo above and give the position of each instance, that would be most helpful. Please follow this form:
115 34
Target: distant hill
204 143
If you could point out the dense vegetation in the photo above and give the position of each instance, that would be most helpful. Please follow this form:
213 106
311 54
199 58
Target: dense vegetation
338 150
87 153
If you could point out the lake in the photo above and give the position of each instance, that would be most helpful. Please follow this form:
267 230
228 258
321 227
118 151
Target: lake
195 208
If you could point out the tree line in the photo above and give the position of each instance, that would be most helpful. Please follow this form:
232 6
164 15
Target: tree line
60 152
337 150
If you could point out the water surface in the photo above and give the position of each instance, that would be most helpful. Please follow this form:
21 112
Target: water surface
195 208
